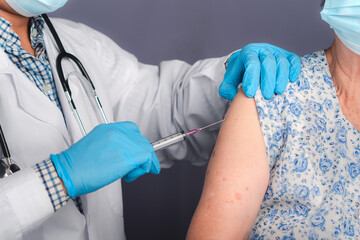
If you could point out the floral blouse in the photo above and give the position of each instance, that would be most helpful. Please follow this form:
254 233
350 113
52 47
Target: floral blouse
314 159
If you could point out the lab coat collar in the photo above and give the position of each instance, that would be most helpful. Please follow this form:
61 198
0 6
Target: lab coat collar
31 99
6 65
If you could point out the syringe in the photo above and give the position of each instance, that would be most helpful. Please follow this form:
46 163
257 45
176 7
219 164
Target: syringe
178 137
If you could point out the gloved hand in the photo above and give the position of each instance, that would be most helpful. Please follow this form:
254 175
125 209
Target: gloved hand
273 64
109 152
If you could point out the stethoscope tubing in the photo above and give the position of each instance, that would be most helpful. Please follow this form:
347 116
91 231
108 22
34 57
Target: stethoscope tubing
4 146
63 55
12 167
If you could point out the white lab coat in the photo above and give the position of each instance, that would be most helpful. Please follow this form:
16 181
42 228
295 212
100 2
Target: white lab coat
161 99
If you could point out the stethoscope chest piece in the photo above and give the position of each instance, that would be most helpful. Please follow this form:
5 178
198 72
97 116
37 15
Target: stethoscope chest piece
6 169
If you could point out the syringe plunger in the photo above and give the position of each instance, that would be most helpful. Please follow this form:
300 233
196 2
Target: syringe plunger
170 140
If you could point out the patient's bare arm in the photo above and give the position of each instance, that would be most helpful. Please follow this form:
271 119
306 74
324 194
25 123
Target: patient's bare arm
236 179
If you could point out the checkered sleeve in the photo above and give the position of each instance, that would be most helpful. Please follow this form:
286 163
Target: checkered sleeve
47 173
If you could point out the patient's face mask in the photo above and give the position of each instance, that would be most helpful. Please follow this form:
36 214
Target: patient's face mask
30 8
344 17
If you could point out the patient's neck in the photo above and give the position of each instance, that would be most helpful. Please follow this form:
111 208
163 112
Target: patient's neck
344 67
345 71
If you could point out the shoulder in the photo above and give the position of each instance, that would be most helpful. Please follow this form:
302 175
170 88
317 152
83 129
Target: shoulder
74 31
78 36
283 114
314 69
313 78
65 23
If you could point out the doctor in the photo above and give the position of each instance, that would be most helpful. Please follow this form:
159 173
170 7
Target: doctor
44 139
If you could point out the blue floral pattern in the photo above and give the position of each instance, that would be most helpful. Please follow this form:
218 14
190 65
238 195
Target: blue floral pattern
314 159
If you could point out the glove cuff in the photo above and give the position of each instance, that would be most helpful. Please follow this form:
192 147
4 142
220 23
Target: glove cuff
60 162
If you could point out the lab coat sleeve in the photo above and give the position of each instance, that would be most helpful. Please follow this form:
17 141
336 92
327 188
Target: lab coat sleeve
24 204
171 97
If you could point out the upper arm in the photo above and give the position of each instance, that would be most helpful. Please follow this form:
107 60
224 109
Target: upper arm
236 179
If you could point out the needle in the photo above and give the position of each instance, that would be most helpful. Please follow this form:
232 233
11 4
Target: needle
192 132
178 137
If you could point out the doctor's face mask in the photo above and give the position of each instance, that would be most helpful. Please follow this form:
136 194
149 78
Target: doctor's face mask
344 17
30 8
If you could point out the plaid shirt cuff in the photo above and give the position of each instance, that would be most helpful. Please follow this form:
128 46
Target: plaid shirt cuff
52 183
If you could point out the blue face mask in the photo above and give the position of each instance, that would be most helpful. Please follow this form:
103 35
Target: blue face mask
30 8
344 17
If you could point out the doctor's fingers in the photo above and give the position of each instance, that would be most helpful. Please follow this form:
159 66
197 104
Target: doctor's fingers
282 72
268 73
134 174
295 66
152 166
155 165
232 78
251 78
294 60
227 90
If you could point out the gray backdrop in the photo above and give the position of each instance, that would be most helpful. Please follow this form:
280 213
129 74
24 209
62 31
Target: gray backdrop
160 207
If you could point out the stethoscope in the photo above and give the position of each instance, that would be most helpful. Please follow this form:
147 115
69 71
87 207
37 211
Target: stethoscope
8 166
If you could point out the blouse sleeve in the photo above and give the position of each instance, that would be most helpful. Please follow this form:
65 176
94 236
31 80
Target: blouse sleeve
274 124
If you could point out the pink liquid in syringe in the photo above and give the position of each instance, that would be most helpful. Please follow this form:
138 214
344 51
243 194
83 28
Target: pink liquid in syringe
196 130
192 132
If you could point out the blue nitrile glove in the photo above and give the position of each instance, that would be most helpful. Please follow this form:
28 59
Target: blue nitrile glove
109 152
273 64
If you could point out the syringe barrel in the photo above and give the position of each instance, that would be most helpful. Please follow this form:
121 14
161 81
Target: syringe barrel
170 140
